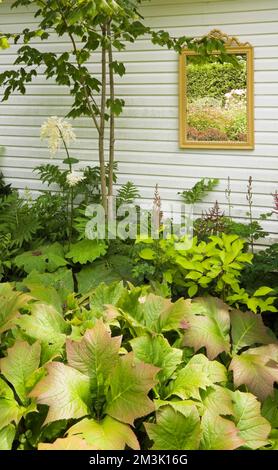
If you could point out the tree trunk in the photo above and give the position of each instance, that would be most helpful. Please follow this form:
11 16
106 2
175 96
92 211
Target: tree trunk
112 127
102 122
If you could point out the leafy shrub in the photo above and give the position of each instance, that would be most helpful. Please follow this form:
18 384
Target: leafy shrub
211 134
214 80
190 371
208 268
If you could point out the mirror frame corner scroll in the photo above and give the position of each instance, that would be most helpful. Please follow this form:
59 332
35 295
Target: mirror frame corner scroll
233 45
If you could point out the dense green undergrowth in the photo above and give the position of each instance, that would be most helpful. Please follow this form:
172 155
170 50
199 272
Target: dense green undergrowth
122 367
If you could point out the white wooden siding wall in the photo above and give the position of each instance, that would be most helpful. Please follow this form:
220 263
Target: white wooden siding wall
147 145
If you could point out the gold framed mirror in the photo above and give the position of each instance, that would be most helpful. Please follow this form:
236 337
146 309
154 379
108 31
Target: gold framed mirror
216 98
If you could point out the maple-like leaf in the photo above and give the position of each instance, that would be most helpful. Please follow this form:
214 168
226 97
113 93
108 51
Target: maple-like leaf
254 429
153 313
257 368
96 355
198 374
67 443
65 390
219 433
19 366
10 304
86 251
157 351
175 430
48 326
209 326
248 329
129 386
108 434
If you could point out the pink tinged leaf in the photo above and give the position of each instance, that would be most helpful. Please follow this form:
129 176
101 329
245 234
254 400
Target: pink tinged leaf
209 326
129 386
67 443
65 390
256 369
96 354
219 433
108 434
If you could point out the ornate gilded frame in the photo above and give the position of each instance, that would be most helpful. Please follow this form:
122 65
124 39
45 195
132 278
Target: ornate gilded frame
233 46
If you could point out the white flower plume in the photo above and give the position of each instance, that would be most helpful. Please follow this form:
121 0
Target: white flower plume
56 130
74 177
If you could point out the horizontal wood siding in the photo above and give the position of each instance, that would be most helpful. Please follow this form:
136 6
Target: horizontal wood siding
147 133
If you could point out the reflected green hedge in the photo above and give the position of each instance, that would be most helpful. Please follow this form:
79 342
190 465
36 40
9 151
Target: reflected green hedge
214 79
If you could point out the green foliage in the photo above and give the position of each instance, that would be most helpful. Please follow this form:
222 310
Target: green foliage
215 79
77 367
127 193
209 268
199 191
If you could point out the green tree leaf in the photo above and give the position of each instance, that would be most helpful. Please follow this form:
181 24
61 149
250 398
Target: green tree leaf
254 429
65 390
86 251
263 290
7 436
10 304
107 434
157 351
248 329
257 368
129 386
219 433
21 363
96 355
209 326
175 430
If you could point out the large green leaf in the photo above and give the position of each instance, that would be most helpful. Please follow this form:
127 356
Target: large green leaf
254 429
129 386
198 374
10 411
105 295
96 355
61 280
7 435
65 390
107 434
20 365
67 443
46 258
218 401
248 329
175 430
48 326
47 295
92 275
155 314
10 304
86 251
157 351
209 326
257 368
219 433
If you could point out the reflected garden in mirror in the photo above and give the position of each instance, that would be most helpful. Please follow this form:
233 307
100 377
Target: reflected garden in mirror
216 98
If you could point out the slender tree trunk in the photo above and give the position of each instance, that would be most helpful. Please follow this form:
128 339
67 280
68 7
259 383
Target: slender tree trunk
102 121
112 126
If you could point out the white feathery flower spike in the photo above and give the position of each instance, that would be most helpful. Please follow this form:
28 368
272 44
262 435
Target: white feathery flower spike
74 177
56 129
